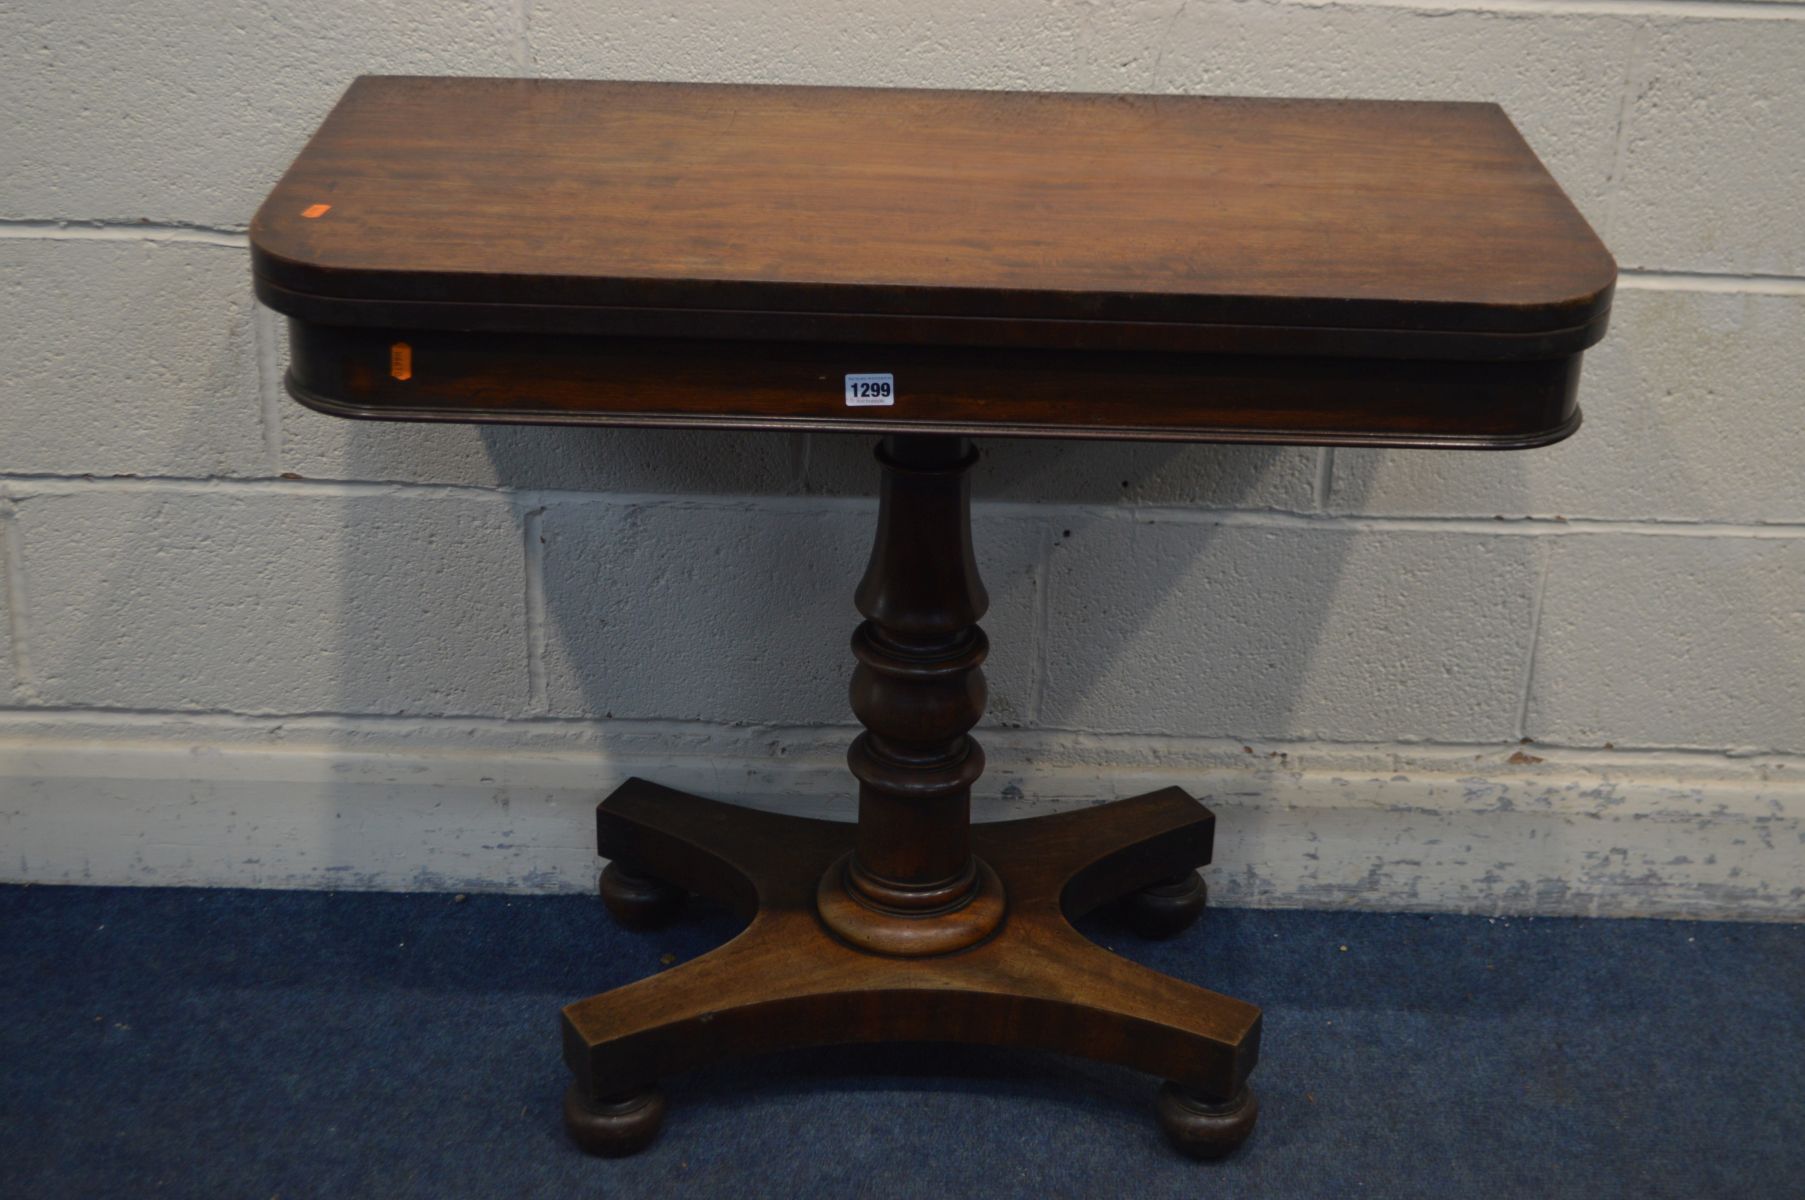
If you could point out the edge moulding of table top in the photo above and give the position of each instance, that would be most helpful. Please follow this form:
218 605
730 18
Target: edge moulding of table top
924 266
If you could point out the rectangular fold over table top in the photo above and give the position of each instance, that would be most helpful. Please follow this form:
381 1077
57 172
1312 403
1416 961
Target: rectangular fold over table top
1192 268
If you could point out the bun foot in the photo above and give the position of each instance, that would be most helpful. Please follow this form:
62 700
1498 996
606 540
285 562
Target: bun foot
639 901
1203 1129
1169 907
615 1128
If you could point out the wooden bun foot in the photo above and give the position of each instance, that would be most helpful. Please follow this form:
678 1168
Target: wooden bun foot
639 901
1202 1129
615 1128
1167 908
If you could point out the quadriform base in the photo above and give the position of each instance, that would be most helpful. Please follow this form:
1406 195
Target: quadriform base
912 924
788 982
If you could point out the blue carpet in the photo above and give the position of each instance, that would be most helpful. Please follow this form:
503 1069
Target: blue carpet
302 1044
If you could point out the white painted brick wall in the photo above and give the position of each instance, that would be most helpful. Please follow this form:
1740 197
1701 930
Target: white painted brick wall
1192 628
287 650
274 600
127 357
1714 148
1673 641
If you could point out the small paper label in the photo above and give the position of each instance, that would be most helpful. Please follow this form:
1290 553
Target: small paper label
316 210
870 391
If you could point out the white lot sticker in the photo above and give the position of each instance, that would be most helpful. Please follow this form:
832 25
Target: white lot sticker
870 391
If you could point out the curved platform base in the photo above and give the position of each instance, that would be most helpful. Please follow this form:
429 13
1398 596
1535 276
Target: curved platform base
786 982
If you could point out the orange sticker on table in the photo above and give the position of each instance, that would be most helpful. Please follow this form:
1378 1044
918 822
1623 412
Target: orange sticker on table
316 210
401 360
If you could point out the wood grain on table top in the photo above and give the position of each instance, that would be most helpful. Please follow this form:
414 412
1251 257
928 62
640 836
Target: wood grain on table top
1304 213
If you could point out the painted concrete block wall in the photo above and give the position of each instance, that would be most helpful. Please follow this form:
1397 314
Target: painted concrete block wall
242 643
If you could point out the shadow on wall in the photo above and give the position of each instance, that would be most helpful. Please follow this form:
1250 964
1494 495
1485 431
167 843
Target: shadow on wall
707 578
460 645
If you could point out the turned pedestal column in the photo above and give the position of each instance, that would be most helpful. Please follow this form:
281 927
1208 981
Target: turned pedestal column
911 885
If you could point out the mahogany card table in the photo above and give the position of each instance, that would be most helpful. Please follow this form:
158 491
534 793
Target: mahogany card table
925 266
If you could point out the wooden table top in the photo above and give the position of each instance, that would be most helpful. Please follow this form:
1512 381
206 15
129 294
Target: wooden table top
931 230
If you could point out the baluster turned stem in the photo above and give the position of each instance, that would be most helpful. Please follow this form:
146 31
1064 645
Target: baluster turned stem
911 886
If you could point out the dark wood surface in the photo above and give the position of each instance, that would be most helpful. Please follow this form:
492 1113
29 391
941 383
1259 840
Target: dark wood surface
787 981
918 689
943 389
1062 265
1363 214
